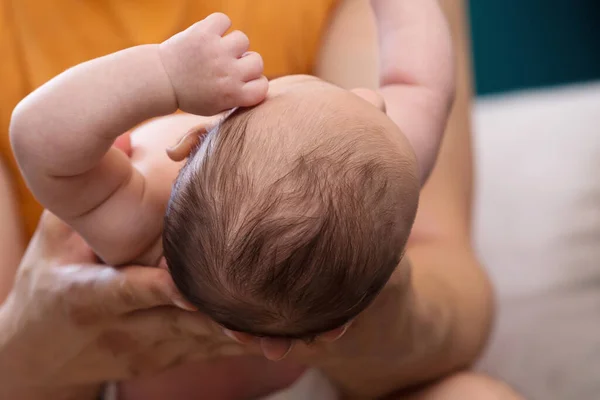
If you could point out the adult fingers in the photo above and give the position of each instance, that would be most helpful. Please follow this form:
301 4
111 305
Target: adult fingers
94 292
168 336
334 334
275 349
52 229
136 288
168 323
50 235
149 341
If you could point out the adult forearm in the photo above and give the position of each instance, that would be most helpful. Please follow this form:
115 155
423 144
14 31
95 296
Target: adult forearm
11 233
418 331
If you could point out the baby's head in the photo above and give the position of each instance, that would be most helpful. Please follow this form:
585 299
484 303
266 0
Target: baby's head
290 217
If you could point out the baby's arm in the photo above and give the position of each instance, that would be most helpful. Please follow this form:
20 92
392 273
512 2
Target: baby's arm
416 72
63 132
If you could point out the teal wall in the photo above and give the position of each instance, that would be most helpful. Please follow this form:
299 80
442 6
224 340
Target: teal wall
521 44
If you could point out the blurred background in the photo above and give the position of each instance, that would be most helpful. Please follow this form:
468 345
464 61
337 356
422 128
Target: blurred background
537 227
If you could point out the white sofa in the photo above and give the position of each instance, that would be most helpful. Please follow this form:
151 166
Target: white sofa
537 230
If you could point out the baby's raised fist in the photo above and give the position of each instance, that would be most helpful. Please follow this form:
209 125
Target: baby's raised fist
210 72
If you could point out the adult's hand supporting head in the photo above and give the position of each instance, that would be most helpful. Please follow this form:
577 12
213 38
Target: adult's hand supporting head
70 324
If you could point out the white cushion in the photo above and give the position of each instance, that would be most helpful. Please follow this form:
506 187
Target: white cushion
537 230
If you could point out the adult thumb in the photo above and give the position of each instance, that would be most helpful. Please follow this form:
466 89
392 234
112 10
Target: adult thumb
52 231
55 240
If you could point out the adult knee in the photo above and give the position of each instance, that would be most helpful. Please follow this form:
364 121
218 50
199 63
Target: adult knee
469 385
466 385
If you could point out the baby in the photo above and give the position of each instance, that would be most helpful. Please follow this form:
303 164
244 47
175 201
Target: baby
287 218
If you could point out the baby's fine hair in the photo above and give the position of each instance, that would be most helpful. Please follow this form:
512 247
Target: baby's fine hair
288 241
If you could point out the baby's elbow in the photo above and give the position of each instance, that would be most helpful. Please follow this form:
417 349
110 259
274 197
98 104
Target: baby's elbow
28 134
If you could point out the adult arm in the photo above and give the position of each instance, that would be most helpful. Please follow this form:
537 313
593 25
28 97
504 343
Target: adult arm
416 71
441 322
11 233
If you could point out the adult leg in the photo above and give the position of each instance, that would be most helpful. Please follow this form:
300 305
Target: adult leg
464 386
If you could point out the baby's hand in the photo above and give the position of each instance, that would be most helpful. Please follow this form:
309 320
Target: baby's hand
210 72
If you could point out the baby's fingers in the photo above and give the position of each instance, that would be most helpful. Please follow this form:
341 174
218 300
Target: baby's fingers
250 66
217 23
236 43
253 92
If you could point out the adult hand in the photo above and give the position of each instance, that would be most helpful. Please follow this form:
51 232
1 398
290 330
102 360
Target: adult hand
70 323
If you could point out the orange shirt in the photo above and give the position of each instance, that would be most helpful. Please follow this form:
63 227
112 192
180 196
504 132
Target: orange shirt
41 38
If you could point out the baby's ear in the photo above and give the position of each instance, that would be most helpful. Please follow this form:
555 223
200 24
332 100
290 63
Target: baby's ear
371 96
187 143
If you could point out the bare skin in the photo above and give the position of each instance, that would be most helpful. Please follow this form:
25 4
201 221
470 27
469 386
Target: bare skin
92 186
441 246
461 386
441 240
